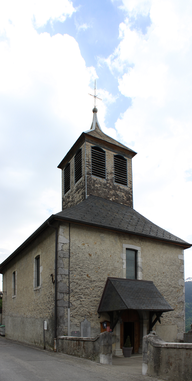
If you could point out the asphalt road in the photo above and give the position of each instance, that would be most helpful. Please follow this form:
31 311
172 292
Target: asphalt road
20 362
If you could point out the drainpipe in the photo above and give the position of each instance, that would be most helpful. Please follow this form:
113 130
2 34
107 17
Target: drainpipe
85 173
69 328
55 330
55 339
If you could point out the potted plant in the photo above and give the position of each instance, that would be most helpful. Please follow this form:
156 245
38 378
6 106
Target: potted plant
127 348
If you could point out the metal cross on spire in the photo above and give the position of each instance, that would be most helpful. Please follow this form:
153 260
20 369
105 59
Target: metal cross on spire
95 95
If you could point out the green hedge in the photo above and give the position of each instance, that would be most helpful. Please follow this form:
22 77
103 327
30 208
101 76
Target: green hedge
188 306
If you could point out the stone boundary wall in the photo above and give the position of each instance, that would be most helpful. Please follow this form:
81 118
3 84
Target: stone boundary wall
188 337
97 349
168 361
2 330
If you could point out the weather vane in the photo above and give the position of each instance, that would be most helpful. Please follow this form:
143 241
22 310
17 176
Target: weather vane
95 96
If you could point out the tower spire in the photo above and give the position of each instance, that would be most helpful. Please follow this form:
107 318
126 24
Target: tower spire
95 97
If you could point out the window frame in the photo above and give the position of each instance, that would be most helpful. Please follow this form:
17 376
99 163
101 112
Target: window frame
135 263
67 178
139 260
37 271
14 284
119 178
94 163
78 165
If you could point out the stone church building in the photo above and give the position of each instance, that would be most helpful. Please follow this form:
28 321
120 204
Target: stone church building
98 264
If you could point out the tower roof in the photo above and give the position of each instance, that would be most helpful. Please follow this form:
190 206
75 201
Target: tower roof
96 136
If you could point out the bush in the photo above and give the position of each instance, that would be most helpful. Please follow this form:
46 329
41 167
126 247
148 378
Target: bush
188 306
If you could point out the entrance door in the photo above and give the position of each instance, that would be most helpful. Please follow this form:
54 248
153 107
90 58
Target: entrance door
130 326
129 331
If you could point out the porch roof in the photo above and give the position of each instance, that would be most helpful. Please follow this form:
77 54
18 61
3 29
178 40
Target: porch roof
122 294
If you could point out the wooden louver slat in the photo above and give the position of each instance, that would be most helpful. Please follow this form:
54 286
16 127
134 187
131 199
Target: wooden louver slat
98 162
120 170
67 178
78 165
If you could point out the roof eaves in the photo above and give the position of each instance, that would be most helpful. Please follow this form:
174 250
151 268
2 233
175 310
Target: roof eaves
116 147
183 244
110 279
86 136
70 153
120 296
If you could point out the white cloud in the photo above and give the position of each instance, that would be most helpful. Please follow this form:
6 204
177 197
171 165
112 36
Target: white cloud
82 26
135 7
155 71
22 13
44 107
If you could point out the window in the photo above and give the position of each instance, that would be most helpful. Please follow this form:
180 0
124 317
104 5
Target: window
14 276
132 259
98 162
37 271
67 178
78 165
131 264
120 170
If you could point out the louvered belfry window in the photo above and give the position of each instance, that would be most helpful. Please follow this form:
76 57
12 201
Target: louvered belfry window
98 162
120 169
78 165
67 178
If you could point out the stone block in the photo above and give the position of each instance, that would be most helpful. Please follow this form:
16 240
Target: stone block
85 328
62 287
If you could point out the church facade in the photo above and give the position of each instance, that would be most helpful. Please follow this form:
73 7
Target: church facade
98 264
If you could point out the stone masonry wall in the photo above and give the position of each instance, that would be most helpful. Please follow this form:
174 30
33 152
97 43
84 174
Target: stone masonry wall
107 188
96 186
167 361
62 280
97 349
97 254
76 193
24 313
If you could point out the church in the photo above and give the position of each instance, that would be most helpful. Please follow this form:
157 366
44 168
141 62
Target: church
98 264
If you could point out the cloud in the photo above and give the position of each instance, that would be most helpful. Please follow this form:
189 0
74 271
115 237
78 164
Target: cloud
82 26
135 7
44 105
23 13
154 69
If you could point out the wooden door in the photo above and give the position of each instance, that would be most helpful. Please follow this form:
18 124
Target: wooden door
130 326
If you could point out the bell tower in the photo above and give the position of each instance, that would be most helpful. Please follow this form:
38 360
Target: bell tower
97 165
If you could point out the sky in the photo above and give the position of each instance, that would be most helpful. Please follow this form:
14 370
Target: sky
140 52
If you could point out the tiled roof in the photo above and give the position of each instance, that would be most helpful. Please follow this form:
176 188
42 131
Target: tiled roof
122 294
96 136
102 213
98 133
109 214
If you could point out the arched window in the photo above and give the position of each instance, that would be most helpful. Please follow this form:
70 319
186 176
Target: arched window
67 178
120 169
78 165
98 162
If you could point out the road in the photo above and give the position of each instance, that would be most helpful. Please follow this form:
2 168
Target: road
20 362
